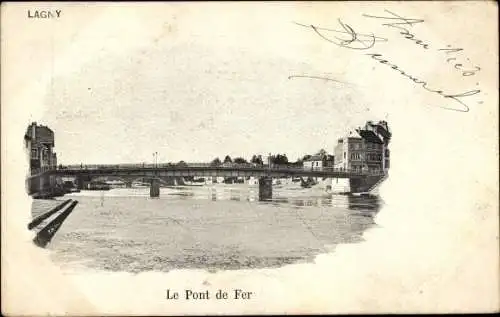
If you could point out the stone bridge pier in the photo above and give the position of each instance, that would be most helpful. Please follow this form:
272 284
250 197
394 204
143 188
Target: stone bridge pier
363 184
44 185
265 188
82 181
154 189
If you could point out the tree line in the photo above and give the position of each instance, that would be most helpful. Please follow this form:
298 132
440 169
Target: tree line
256 159
275 159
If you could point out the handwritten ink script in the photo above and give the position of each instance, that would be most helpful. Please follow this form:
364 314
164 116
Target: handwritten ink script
318 77
348 37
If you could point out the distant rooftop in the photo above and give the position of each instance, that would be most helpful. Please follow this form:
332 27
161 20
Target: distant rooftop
319 157
41 132
352 134
315 157
377 132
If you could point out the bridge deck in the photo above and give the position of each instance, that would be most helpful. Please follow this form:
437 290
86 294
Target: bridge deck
205 170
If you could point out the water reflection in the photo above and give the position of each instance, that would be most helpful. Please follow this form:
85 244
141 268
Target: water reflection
235 194
209 227
363 202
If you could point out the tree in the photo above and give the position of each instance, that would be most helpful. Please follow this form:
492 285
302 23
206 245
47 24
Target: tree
257 159
299 162
306 157
216 162
182 164
322 152
227 159
240 160
279 159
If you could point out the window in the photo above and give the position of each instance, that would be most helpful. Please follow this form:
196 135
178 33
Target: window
344 154
34 154
356 156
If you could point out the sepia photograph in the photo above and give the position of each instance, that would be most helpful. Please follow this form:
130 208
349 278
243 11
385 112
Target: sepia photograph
319 199
249 158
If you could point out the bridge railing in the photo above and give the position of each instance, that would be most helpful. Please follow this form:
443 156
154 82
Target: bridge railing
272 168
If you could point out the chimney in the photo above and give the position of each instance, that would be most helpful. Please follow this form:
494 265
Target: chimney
33 130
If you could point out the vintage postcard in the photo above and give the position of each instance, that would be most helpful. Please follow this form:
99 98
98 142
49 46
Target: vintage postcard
249 158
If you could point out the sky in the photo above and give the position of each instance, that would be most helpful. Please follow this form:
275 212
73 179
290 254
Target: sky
193 93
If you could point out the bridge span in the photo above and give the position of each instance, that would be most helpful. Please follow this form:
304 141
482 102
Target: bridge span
360 180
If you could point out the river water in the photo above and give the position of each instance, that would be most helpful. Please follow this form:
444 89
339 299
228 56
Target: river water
210 227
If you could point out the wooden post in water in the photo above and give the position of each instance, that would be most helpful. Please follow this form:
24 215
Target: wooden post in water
154 189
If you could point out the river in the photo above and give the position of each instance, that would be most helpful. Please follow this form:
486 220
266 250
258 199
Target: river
211 227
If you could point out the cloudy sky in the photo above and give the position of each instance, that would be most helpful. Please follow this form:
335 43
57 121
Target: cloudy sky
194 82
195 86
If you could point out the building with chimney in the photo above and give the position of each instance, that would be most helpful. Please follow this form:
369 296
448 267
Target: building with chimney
39 142
376 137
365 149
349 152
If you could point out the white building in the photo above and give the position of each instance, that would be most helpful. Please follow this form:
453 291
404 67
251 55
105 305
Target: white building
315 162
